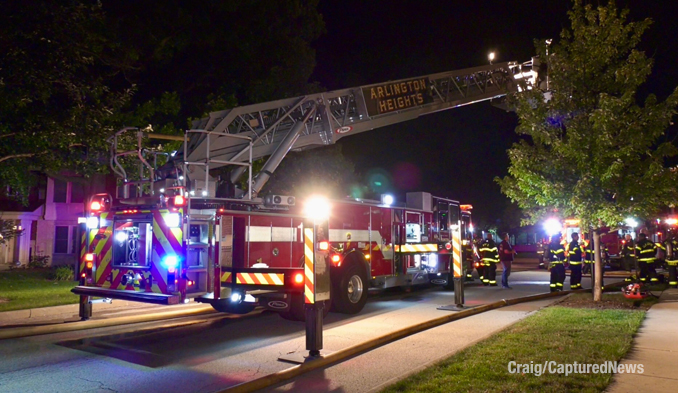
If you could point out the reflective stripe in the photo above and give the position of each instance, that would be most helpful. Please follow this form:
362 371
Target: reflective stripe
416 248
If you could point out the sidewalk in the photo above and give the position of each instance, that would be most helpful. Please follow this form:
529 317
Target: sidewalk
69 312
656 348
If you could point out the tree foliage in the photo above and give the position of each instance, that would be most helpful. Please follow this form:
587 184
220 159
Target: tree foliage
591 151
55 92
74 72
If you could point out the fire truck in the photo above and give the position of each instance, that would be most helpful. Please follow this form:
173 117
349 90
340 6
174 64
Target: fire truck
173 233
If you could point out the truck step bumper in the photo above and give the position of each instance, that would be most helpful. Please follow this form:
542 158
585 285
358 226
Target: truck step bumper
144 297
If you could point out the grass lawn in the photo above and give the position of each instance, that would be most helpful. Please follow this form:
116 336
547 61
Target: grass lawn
572 331
27 288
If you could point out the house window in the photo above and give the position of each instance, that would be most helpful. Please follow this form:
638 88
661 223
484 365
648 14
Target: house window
60 191
61 240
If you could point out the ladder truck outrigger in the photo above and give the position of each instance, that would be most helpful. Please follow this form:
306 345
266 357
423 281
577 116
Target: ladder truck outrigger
174 234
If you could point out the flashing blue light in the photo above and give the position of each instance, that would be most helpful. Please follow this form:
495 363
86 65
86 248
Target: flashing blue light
170 261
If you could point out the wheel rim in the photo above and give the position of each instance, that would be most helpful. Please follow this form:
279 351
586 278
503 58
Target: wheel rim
355 289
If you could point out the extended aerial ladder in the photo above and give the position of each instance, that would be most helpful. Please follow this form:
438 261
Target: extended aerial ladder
242 134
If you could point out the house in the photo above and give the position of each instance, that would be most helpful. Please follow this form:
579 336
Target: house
49 221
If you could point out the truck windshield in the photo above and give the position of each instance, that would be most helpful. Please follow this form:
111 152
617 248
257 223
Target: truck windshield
132 241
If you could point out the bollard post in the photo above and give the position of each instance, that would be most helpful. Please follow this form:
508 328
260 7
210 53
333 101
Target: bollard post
316 277
459 273
85 311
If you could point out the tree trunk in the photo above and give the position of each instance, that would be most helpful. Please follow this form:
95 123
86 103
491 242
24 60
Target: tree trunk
598 268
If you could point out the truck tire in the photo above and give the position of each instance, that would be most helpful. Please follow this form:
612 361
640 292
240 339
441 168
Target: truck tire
225 305
297 311
349 293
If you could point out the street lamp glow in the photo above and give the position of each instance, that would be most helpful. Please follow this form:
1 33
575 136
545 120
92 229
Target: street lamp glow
631 222
317 207
491 57
552 226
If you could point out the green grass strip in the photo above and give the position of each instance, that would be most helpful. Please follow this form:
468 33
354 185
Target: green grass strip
23 289
560 334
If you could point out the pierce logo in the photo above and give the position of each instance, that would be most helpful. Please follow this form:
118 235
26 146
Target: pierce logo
343 130
277 305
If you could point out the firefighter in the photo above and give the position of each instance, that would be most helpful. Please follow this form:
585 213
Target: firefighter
671 246
489 257
467 250
646 251
556 264
477 240
628 254
574 257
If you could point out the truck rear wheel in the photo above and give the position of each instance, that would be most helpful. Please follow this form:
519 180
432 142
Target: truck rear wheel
297 311
226 305
350 291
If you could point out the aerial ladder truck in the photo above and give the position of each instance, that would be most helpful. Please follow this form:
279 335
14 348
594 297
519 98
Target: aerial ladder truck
175 233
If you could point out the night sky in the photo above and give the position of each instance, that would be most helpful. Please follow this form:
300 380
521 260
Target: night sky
455 153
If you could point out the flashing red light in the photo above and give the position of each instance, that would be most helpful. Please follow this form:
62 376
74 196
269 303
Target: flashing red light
95 206
83 275
623 241
190 283
298 278
659 233
324 246
89 257
179 200
448 246
89 265
367 256
336 258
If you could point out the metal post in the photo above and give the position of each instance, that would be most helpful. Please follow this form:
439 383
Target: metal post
317 284
314 328
85 311
459 273
458 268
